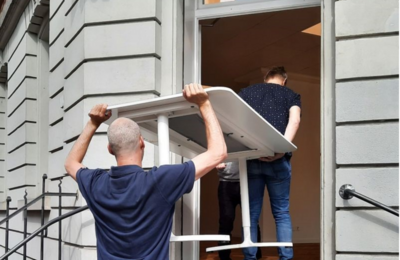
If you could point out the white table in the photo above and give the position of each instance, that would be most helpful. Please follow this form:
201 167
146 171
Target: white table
175 125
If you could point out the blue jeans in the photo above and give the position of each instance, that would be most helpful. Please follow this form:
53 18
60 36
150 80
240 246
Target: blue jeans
276 176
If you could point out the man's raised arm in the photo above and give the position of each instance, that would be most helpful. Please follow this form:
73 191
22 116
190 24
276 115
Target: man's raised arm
216 147
75 157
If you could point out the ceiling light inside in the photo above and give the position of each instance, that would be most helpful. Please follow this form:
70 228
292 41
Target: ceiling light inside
315 30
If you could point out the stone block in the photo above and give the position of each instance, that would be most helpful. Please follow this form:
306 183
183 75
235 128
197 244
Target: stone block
78 253
17 35
2 184
372 231
56 136
69 5
18 194
28 45
26 133
28 89
56 80
26 154
56 164
111 77
26 112
3 104
367 144
367 100
3 136
23 176
2 167
56 108
28 68
57 23
113 40
51 247
97 155
78 229
2 151
76 118
57 52
381 184
3 119
367 57
68 185
31 248
88 12
351 18
3 90
55 7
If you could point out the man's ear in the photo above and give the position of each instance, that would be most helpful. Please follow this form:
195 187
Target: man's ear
109 149
141 143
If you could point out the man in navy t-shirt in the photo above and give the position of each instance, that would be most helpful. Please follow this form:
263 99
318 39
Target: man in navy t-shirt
133 208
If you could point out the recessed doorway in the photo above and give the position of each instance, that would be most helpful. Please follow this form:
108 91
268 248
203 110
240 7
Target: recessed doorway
236 52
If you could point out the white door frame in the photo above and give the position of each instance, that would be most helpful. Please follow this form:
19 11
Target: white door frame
195 11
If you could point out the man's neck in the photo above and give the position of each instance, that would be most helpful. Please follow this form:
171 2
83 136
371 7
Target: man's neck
275 81
130 160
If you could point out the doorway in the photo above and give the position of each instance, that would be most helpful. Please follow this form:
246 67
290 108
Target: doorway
236 52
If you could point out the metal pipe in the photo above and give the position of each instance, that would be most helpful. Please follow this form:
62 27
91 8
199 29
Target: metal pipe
347 192
163 139
36 232
42 217
34 201
59 223
7 224
25 222
20 210
244 194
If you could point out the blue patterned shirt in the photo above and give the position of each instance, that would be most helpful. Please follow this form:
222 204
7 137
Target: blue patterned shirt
272 102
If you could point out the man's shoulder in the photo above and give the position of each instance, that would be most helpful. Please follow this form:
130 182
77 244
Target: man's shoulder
288 89
171 167
255 86
95 171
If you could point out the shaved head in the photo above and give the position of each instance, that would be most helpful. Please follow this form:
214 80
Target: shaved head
123 136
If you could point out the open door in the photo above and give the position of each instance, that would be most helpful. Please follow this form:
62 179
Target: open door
211 38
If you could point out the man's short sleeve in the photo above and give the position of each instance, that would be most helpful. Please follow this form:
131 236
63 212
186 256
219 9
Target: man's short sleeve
84 177
242 94
175 180
294 100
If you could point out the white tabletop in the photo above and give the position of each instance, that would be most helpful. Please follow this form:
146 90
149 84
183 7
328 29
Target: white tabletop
247 134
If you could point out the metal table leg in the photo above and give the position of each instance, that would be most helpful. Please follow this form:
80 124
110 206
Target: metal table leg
244 193
164 156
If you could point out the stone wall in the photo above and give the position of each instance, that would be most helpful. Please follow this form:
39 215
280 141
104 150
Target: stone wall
96 52
367 128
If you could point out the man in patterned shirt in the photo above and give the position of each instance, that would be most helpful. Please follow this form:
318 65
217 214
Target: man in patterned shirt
281 107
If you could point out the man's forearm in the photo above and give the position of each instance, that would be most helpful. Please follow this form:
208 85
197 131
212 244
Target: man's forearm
215 139
80 147
291 130
293 124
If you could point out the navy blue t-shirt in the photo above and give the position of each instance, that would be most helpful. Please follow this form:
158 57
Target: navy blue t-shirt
133 208
272 102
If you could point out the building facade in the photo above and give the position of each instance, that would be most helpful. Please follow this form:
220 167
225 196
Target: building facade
58 58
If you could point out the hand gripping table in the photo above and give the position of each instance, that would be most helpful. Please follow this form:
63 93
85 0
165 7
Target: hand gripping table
176 125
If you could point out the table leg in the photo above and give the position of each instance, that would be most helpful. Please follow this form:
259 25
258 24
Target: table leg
244 197
164 158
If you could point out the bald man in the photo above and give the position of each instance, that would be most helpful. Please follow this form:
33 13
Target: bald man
133 208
